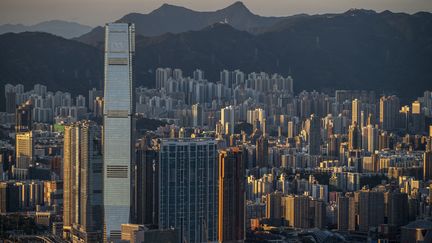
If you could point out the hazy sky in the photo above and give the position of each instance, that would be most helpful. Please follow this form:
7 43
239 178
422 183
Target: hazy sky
98 12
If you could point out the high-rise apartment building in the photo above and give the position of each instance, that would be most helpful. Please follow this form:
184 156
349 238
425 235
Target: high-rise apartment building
10 95
23 117
314 135
342 213
256 115
93 94
262 153
188 188
83 205
427 165
372 138
197 115
370 209
198 74
354 137
296 210
274 205
232 196
23 139
162 75
228 120
396 208
118 126
356 112
389 110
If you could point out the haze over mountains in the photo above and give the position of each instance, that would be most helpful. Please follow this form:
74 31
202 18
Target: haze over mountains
358 49
56 27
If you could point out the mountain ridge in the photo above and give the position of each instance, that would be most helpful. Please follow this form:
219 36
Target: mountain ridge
177 19
65 29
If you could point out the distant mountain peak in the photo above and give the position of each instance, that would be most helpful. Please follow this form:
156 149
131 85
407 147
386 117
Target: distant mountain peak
169 8
238 4
238 7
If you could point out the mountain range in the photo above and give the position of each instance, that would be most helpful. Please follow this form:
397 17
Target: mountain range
358 49
175 19
56 27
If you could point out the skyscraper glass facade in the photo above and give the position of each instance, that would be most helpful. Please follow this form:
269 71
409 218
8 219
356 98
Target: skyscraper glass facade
118 112
188 187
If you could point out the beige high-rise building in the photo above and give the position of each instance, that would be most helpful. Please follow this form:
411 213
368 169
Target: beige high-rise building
288 209
83 183
356 112
24 153
416 107
69 148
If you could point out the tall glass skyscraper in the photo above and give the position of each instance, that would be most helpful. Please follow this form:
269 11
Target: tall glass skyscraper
118 112
188 188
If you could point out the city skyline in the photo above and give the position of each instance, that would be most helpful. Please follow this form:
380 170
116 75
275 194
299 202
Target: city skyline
30 13
224 126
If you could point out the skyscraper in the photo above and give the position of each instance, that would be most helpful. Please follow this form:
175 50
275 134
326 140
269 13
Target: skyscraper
372 137
314 135
162 75
10 96
296 211
256 114
82 213
427 165
23 117
118 118
197 115
231 220
188 188
342 213
389 110
228 120
23 153
397 208
262 153
69 148
354 137
198 74
146 184
370 209
273 205
356 112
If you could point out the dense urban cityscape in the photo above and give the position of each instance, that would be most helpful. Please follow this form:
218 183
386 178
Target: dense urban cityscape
243 158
